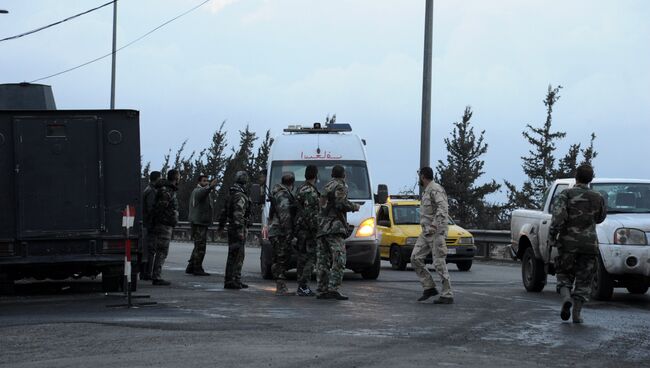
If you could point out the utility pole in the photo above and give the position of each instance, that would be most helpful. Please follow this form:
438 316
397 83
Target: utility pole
425 135
114 50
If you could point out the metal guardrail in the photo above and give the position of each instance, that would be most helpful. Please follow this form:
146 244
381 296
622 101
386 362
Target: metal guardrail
183 232
492 244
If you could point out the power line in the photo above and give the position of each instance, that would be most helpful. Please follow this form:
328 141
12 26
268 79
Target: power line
56 23
124 46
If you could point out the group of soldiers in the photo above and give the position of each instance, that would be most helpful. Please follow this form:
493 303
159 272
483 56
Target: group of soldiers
317 222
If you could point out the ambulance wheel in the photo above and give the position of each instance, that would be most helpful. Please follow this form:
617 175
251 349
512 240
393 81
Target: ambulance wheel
372 272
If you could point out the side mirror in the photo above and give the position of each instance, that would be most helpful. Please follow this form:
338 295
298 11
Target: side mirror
258 196
384 223
382 194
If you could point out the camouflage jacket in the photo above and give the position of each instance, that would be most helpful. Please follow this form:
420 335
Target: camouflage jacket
576 212
165 208
434 210
237 212
307 208
148 201
285 210
334 206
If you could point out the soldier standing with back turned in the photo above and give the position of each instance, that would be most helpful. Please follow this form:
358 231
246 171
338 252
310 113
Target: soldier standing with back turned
332 232
237 214
165 219
433 219
149 238
306 229
573 230
281 230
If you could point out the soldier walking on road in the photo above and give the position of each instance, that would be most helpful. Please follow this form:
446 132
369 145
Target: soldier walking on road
200 218
332 232
307 197
237 214
282 215
433 219
148 237
165 219
573 231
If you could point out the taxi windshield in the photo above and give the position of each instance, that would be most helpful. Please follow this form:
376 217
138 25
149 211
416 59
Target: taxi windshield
409 215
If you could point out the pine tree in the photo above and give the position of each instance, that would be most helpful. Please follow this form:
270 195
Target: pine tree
464 166
239 160
589 153
568 165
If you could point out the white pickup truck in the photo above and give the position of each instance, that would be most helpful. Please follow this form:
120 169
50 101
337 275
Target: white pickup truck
623 238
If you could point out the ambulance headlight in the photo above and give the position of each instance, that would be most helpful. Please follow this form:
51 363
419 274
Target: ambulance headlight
366 228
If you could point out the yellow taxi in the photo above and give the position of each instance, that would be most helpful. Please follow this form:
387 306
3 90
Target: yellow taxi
398 227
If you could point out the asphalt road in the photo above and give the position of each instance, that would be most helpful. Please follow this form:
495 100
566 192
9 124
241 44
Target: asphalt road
196 323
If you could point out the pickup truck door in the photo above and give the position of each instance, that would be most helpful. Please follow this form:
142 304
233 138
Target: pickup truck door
545 224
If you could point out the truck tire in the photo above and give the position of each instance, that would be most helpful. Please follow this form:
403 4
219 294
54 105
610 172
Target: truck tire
111 283
602 287
464 265
639 289
265 263
7 286
397 261
372 272
532 272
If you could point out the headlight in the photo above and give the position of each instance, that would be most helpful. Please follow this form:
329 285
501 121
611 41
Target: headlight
366 228
466 241
411 241
627 236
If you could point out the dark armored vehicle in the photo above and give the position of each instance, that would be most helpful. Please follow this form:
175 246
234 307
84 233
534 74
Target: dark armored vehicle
66 176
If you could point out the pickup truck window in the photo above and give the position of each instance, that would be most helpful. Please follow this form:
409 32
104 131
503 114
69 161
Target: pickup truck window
558 189
625 197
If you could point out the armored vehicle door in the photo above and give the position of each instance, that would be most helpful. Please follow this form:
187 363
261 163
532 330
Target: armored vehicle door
58 175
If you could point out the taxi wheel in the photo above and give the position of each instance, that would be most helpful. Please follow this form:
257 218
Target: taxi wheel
464 265
397 261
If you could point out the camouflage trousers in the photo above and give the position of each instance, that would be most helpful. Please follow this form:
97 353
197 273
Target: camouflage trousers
281 255
235 262
575 268
148 250
330 262
432 244
163 236
200 237
306 257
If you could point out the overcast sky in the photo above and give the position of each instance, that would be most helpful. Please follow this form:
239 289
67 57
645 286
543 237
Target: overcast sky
270 63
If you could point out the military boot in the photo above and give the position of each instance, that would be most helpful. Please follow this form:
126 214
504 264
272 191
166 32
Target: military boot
567 302
337 295
444 300
577 309
281 288
189 269
428 293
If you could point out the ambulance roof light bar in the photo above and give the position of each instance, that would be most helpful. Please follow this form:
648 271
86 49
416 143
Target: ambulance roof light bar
319 129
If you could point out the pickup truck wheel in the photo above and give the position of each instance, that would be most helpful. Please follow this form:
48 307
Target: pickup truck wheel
397 261
372 272
602 287
464 265
265 263
638 289
532 272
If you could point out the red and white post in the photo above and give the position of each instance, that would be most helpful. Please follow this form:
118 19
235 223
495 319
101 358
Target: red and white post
128 219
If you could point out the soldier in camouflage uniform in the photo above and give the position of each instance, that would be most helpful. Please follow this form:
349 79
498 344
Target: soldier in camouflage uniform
237 215
307 198
433 219
148 236
281 230
332 232
573 230
165 219
200 218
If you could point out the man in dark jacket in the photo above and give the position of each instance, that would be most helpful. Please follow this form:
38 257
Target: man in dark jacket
149 240
237 214
281 230
165 219
200 219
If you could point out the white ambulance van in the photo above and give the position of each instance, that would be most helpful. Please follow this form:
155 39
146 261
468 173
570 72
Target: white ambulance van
326 146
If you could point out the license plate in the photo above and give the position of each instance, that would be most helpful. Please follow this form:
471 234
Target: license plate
451 250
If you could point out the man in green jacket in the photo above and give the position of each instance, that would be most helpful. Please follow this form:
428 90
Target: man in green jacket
200 218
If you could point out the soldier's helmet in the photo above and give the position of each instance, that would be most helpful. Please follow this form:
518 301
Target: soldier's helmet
241 177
